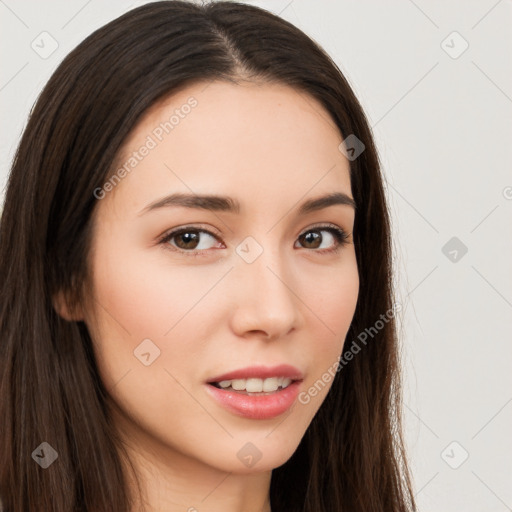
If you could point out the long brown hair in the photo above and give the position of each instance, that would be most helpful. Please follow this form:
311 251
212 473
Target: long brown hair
351 458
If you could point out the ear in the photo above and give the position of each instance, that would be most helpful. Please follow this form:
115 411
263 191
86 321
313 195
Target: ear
61 306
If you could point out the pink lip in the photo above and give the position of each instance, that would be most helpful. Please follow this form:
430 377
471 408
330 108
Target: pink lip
261 372
256 407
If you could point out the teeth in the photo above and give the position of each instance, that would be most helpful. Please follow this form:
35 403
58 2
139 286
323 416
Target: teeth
270 384
256 385
238 384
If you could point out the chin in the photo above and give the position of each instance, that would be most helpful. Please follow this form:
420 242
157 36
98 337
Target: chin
256 454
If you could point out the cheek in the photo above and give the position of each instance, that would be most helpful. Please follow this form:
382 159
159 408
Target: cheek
138 299
332 296
143 295
332 307
149 344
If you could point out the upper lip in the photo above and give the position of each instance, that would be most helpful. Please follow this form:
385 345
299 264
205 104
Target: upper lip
261 372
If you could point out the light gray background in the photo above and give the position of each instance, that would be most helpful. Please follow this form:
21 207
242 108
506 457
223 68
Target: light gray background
443 126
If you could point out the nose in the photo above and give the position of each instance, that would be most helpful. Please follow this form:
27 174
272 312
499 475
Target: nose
265 302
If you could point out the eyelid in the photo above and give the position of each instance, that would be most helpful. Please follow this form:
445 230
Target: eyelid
192 227
322 225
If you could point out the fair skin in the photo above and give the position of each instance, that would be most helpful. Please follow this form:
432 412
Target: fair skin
271 148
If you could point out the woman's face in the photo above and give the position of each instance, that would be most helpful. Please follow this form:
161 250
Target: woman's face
257 285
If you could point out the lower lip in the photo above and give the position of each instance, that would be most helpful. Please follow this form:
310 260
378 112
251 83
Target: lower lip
256 407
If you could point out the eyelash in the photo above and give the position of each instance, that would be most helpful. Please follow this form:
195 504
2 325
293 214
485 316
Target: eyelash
339 234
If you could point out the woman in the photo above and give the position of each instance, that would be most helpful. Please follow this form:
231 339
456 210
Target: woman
197 309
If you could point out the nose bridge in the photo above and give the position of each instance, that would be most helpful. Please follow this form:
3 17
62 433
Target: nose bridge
265 300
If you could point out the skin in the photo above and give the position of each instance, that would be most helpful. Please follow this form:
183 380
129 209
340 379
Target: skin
271 148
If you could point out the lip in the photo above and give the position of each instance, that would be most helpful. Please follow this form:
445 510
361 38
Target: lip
261 372
256 407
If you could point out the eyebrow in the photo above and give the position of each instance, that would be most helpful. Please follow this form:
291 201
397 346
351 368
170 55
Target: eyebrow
228 204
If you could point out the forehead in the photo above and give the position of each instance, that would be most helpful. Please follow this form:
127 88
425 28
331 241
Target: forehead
245 140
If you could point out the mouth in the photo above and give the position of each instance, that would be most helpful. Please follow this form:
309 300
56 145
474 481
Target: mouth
258 392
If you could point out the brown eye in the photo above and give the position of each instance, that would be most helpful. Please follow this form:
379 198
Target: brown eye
313 239
189 239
